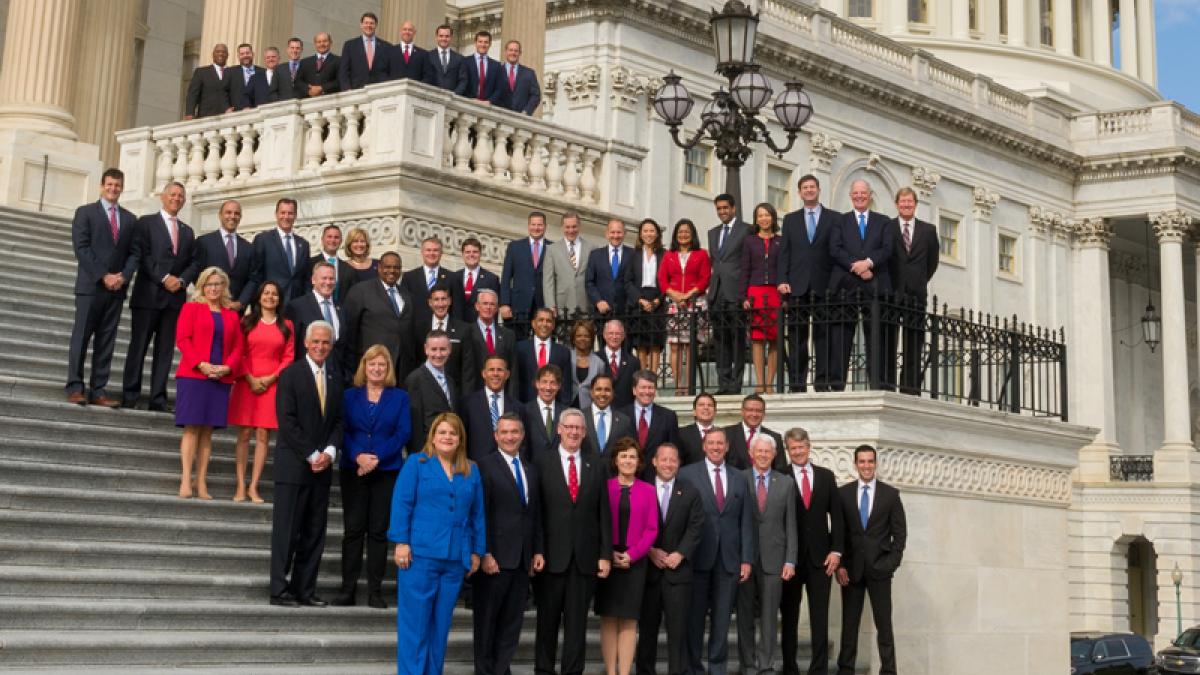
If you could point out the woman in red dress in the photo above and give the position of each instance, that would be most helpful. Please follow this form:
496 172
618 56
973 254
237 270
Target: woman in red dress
269 349
760 279
683 278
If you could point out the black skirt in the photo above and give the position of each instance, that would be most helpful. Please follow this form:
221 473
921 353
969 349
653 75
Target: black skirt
620 595
649 329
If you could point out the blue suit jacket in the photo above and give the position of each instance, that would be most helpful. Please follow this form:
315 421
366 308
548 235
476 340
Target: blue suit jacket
97 253
352 67
846 246
493 86
439 518
273 264
520 281
383 434
599 281
152 248
210 251
525 96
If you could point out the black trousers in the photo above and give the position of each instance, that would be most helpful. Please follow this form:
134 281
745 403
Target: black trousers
912 342
853 595
813 580
729 334
298 537
841 346
801 324
564 600
499 609
713 592
672 600
159 325
96 319
366 510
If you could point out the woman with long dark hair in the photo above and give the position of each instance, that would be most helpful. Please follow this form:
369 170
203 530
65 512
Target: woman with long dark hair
648 325
683 277
760 279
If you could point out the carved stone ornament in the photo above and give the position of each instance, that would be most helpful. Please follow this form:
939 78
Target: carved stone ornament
1172 226
1093 233
629 87
824 149
582 86
925 180
549 93
984 201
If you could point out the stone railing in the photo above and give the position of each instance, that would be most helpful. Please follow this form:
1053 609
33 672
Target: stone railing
1166 124
1123 468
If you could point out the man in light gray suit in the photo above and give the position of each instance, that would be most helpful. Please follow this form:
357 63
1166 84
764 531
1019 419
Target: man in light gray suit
775 518
563 275
725 293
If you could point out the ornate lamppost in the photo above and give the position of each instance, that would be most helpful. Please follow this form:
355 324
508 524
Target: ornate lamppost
1177 579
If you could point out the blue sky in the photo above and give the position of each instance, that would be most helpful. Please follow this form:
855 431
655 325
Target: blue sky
1178 23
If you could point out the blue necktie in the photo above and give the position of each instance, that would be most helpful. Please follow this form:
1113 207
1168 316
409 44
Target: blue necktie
520 481
432 279
328 312
862 226
812 226
616 263
496 412
445 387
392 297
289 252
601 432
864 506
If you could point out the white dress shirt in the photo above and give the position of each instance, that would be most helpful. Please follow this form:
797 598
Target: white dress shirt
659 486
564 457
710 469
524 479
329 449
283 239
333 312
488 393
649 269
638 409
399 297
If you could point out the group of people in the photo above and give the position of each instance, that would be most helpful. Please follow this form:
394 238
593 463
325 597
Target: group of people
365 59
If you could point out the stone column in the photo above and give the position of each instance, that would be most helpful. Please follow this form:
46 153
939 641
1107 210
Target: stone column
1147 52
37 73
1176 460
1093 394
104 84
960 22
895 16
981 242
1064 27
426 15
1016 23
1101 32
262 23
525 21
1129 38
1036 289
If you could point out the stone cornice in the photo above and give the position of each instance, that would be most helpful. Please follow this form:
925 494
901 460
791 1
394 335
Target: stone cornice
1124 166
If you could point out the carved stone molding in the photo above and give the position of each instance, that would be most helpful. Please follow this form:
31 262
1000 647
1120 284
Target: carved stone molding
1040 220
1127 266
582 86
549 93
1065 228
924 181
984 201
1171 226
629 87
1093 233
381 230
824 149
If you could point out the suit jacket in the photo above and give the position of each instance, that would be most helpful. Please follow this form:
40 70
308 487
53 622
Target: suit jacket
619 426
304 427
520 279
514 526
911 270
599 280
563 285
285 84
451 78
642 528
194 331
493 83
739 454
846 246
725 285
415 282
156 259
462 306
273 262
580 530
663 427
96 251
383 434
628 364
460 343
691 444
727 536
634 281
370 319
438 518
537 441
776 536
698 274
679 531
760 262
353 72
326 78
523 95
476 354
210 251
821 526
207 94
476 412
527 367
347 276
874 552
242 94
803 264
427 401
413 68
305 310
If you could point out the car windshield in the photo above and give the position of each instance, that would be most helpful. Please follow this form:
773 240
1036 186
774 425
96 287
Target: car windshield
1190 638
1081 651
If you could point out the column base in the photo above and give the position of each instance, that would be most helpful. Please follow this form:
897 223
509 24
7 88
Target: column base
1094 462
49 120
47 171
1177 463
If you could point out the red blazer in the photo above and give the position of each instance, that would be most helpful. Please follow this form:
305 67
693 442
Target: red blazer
643 516
672 276
194 335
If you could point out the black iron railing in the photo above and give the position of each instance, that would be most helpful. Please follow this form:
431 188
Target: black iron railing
1131 468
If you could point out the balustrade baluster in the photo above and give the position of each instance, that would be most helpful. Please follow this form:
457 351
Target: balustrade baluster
259 128
519 164
166 161
229 157
245 160
500 155
212 163
350 141
537 167
483 148
462 147
571 173
195 168
588 182
451 137
179 171
554 170
313 152
333 138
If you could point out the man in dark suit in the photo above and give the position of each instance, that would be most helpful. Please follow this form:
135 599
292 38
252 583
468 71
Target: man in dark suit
875 538
443 66
725 294
915 254
208 90
482 408
419 280
102 234
472 276
482 72
318 305
287 74
365 58
343 274
725 554
621 363
227 249
511 505
459 332
668 588
519 90
247 82
535 352
820 543
162 245
487 337
605 424
740 435
543 412
691 437
609 268
861 248
283 256
318 74
521 276
379 312
270 75
577 528
804 266
309 404
430 392
407 59
653 424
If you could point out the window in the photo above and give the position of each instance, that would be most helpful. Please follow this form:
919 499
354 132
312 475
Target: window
1007 254
1116 648
948 236
779 179
1004 17
696 167
1046 22
918 11
973 14
860 9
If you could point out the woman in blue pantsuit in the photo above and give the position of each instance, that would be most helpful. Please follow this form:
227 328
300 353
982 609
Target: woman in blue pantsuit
438 526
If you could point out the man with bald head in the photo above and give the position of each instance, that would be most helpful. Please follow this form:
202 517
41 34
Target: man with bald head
208 90
318 74
227 249
408 60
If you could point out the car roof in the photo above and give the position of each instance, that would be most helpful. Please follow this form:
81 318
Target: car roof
1097 635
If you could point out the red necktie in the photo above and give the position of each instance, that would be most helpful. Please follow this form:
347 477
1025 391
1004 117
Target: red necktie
749 437
572 479
490 344
643 430
720 490
174 235
762 494
512 78
542 355
370 54
470 285
805 490
112 223
482 77
703 434
613 364
406 48
536 254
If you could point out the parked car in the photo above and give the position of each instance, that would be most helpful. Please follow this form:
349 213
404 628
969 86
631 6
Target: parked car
1111 654
1183 656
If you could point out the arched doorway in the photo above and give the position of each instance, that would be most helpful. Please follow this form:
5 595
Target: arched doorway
1142 575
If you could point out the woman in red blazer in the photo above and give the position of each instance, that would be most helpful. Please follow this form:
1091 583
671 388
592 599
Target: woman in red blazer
209 339
635 527
683 278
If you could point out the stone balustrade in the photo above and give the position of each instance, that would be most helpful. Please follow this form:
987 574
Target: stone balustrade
1166 124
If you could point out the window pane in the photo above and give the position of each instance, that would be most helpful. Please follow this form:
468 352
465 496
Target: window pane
918 11
948 236
1046 19
1007 254
778 194
973 14
695 168
860 9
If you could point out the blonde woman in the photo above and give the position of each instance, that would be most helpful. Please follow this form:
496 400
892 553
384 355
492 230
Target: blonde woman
358 254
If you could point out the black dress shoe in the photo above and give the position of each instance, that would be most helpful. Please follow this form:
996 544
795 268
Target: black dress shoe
285 600
161 407
375 600
343 600
312 601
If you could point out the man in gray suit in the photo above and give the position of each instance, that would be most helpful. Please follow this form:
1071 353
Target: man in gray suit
563 276
725 293
725 554
775 517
